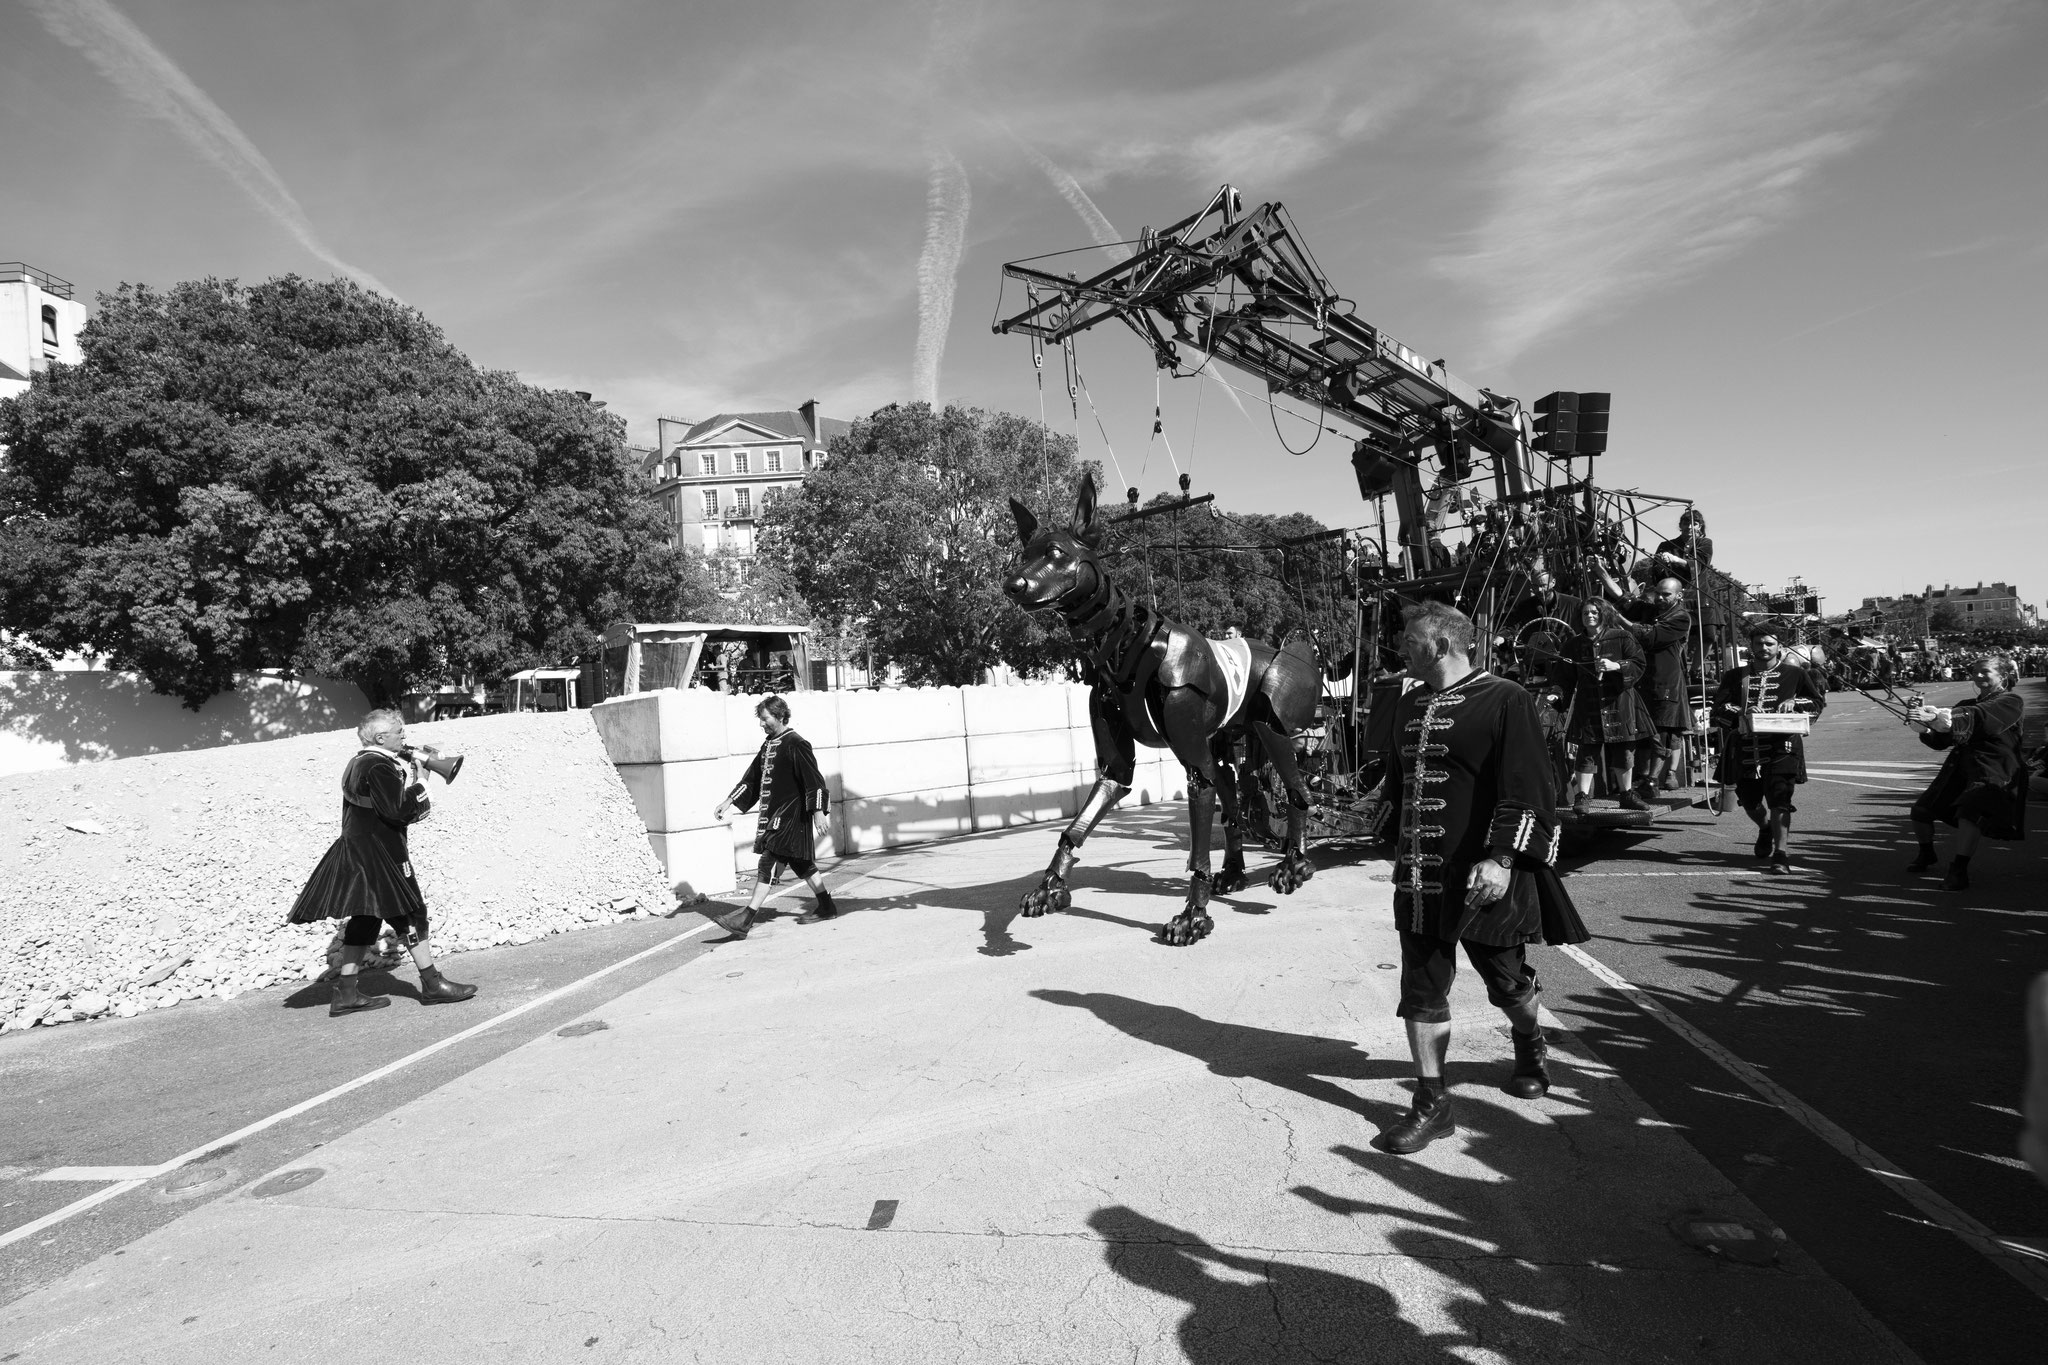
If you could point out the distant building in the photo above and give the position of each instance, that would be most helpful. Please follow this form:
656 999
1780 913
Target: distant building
714 478
39 324
1988 606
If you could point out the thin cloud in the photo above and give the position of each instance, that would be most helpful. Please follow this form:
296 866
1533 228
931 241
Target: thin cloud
126 56
945 237
1648 141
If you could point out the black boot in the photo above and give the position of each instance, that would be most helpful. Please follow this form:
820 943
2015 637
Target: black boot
824 909
1958 878
1923 861
1531 1078
1429 1118
348 997
735 921
436 989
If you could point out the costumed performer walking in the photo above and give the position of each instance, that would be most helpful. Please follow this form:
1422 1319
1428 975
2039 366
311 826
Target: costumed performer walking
366 876
1764 768
1982 786
1469 789
784 779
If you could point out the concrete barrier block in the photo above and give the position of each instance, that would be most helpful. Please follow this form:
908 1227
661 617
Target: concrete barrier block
1025 753
679 796
816 717
1077 705
668 726
898 714
1026 800
1026 706
696 861
902 769
891 821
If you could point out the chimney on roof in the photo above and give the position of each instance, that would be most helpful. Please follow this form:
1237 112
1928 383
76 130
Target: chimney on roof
813 423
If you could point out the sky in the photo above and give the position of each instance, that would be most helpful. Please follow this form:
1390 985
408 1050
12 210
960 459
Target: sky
1804 243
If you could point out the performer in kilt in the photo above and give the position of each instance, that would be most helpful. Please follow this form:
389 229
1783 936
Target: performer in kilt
783 779
1764 768
1469 789
1982 786
366 877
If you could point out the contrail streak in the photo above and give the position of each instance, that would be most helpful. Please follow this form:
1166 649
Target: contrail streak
945 234
126 56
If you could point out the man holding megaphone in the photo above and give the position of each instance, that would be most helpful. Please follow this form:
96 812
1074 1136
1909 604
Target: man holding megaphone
366 877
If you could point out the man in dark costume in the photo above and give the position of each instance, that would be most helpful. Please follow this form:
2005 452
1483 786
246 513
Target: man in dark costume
1982 786
1470 790
1609 718
1663 687
1689 552
784 780
366 876
1764 768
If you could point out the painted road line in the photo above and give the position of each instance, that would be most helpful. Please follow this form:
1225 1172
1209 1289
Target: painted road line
1703 872
1878 763
2031 1272
100 1174
1870 786
99 1197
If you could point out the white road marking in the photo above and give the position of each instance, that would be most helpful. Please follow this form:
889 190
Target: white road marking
1879 763
126 1183
1872 786
2021 1264
1707 872
99 1174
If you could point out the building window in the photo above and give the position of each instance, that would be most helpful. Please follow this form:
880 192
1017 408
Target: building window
707 463
739 462
710 500
774 462
742 499
50 326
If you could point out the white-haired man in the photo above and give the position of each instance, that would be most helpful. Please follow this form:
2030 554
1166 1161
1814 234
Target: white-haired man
1468 787
366 877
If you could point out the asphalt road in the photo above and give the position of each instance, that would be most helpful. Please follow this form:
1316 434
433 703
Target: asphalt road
139 1092
1888 1005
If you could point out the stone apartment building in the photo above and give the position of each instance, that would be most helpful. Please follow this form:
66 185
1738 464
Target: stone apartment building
39 324
714 478
1988 606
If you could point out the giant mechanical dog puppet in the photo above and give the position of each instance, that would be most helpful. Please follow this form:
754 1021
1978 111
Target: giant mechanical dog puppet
1156 682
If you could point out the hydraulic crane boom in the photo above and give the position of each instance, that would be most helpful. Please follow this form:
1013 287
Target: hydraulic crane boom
1243 288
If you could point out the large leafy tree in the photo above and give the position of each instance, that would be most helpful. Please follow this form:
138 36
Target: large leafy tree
902 538
1213 571
307 475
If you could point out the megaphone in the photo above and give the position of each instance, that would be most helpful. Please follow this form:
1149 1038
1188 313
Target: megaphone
434 763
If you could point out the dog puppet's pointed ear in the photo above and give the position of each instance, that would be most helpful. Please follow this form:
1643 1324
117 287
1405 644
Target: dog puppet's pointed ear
1084 527
1027 525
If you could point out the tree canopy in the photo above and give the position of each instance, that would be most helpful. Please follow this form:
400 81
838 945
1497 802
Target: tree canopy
902 537
306 475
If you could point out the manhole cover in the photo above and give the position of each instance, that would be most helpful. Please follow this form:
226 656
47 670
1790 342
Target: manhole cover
287 1181
195 1177
578 1030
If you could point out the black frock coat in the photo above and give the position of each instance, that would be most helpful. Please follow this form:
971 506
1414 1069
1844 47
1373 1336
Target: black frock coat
784 778
368 870
1606 706
1748 688
1664 684
1983 778
1468 777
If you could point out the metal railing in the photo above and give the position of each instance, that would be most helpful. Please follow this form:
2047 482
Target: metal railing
16 272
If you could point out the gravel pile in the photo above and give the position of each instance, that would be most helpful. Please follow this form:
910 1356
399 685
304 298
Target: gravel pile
138 884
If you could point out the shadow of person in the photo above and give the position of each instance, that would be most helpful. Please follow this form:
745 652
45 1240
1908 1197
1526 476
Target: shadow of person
1244 1308
1300 1062
372 980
